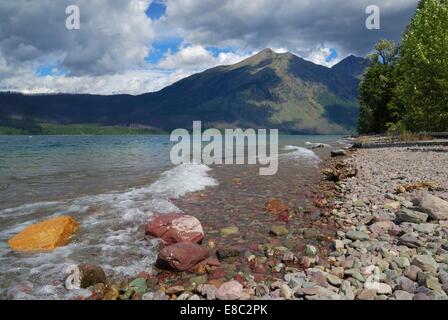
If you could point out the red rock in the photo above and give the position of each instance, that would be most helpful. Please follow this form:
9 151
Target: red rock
173 228
231 290
283 216
239 278
183 256
213 262
305 262
276 206
217 273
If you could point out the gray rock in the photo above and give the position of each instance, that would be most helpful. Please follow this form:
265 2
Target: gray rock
412 272
426 263
435 207
338 153
356 235
406 215
410 241
403 295
407 284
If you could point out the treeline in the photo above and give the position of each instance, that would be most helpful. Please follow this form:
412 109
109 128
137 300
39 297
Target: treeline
405 87
76 129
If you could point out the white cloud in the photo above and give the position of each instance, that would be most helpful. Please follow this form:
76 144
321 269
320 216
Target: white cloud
107 55
197 57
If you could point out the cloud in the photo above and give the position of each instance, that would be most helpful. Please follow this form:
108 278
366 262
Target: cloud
114 36
124 48
296 25
198 57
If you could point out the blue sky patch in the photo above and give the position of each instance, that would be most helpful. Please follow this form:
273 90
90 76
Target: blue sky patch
50 69
156 9
333 55
215 51
161 47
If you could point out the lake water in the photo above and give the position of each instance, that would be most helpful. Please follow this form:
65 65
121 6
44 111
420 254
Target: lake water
112 185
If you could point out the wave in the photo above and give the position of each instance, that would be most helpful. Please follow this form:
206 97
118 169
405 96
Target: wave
300 153
111 233
317 144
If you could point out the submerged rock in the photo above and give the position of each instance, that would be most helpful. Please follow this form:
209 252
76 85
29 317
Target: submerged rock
91 274
46 235
173 228
181 256
279 231
229 231
276 206
231 290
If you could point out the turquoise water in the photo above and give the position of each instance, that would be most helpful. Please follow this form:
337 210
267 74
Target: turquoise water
112 185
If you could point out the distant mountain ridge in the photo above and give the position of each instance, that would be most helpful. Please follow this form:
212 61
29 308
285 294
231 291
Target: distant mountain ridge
267 90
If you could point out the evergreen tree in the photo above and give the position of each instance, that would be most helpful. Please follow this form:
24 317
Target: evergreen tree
377 89
423 68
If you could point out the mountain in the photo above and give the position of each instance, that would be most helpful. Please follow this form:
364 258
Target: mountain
352 65
267 90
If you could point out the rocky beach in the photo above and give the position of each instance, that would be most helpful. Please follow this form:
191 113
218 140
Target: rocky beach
373 226
377 230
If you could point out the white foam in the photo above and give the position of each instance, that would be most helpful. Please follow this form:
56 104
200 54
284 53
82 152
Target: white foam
317 144
300 152
111 235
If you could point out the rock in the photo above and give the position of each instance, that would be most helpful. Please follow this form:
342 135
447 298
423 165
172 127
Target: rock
312 234
310 251
286 291
426 263
90 275
403 295
173 228
384 288
402 262
148 296
406 215
279 231
366 294
175 290
228 252
334 280
46 235
412 272
435 207
209 291
111 292
181 256
199 280
229 231
356 235
138 285
337 245
394 205
427 228
231 290
407 284
410 241
338 153
276 206
429 281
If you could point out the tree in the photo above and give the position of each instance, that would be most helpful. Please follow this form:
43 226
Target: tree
423 68
377 89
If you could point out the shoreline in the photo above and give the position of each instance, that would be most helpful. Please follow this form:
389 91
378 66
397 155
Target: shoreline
361 233
383 247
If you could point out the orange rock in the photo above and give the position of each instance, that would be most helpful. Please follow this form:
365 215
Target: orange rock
276 206
45 235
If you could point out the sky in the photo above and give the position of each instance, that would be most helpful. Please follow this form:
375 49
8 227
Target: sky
139 46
